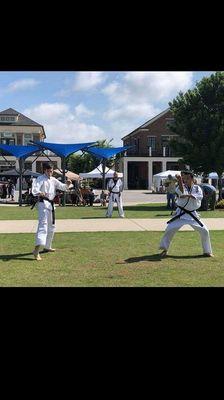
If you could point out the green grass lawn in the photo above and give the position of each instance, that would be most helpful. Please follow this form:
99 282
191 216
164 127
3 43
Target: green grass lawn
111 259
150 210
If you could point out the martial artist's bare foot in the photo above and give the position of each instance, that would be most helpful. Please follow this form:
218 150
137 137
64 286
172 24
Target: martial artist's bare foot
49 250
163 254
208 255
37 255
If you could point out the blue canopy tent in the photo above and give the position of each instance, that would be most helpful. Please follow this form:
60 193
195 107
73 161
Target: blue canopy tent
104 153
21 153
64 150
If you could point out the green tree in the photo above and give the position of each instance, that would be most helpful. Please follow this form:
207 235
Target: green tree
199 122
87 162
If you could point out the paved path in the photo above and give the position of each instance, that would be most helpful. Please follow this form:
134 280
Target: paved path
102 225
130 197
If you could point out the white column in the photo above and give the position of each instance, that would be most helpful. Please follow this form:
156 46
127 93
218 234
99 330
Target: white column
149 174
125 173
59 162
17 164
164 165
34 166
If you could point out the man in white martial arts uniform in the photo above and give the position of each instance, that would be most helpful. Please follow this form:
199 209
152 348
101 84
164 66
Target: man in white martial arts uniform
44 189
115 187
189 200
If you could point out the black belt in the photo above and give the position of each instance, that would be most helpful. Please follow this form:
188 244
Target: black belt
184 211
41 200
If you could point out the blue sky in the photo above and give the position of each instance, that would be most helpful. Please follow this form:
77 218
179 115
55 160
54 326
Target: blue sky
85 106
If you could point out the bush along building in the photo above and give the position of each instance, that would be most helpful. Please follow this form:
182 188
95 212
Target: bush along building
150 153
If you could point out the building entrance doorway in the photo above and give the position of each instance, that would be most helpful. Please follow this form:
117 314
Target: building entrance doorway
137 175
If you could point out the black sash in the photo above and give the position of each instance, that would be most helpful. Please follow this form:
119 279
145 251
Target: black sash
184 211
41 200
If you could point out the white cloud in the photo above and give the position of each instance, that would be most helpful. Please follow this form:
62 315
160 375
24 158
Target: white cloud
82 111
138 94
86 80
62 125
131 111
22 84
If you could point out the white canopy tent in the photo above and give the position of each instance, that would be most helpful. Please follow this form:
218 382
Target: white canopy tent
213 175
97 173
165 174
157 178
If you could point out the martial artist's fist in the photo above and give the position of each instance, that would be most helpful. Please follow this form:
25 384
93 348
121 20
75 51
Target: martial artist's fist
68 182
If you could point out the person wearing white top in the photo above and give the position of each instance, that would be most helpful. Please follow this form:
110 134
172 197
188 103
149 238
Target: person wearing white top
115 188
189 200
44 188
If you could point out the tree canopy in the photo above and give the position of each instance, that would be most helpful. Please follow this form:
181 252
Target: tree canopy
199 122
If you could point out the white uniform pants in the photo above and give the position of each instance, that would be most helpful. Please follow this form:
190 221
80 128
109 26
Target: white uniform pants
115 197
45 230
174 226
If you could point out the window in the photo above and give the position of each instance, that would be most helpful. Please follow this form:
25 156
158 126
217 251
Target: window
8 134
169 122
152 142
27 138
28 165
7 119
7 141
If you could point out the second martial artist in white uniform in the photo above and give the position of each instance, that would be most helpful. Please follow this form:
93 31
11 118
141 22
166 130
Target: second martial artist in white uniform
115 188
44 187
189 199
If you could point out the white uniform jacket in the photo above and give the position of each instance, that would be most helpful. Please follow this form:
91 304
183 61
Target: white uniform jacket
116 188
191 204
48 186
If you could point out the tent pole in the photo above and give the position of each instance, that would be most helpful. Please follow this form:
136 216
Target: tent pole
104 168
63 180
21 164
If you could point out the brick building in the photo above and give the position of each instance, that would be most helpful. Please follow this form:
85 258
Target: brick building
17 129
151 152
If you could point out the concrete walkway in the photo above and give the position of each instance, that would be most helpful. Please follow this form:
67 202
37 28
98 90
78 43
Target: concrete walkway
102 225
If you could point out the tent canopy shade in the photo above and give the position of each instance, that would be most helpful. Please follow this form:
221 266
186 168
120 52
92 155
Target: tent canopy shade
19 151
106 152
64 150
214 175
97 173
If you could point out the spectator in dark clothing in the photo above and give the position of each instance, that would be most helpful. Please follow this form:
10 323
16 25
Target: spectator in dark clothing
91 197
4 191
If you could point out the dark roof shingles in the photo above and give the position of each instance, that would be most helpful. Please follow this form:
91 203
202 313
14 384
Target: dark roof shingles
22 119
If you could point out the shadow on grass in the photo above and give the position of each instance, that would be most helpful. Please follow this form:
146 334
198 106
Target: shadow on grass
20 256
153 257
163 215
156 257
187 257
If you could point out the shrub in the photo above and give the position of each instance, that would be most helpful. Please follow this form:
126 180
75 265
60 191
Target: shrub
220 204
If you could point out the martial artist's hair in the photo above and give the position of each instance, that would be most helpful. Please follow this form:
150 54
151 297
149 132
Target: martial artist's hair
188 173
47 166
